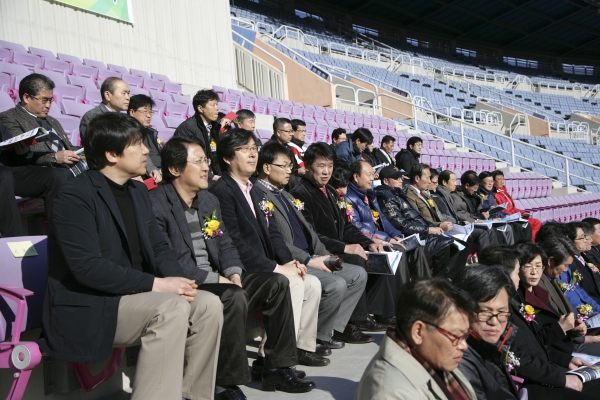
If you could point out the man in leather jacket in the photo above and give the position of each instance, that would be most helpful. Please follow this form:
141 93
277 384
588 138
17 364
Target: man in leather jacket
406 219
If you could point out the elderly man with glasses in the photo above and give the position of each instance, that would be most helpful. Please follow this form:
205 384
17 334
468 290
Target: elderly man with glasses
54 151
418 358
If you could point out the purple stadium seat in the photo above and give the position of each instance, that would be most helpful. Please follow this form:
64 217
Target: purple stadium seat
247 103
176 110
308 113
6 103
172 88
260 107
57 77
344 126
118 68
297 112
157 122
319 115
183 99
71 128
159 107
28 60
84 71
74 109
234 92
59 66
70 59
249 94
93 63
220 91
136 90
68 93
172 122
332 124
224 107
86 83
5 55
153 84
133 80
160 77
264 134
329 115
155 94
139 72
233 100
92 97
105 73
45 54
273 108
275 100
165 134
13 47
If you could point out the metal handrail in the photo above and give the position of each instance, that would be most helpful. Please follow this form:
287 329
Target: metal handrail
329 79
244 21
385 83
512 140
261 49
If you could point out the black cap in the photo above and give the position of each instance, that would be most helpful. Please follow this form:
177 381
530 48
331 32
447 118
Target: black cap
390 172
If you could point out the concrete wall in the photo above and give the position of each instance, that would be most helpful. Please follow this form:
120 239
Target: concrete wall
188 40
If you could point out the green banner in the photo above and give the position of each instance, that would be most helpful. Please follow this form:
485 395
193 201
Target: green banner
117 9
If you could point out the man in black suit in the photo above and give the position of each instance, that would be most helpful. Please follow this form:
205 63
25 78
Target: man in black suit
190 218
581 234
10 220
260 246
203 125
383 155
113 281
593 254
324 210
54 151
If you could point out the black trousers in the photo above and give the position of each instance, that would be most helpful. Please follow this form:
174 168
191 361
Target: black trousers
266 289
483 238
43 182
10 219
521 234
590 391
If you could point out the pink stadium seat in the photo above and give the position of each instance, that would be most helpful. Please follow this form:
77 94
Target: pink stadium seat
176 110
93 63
172 122
74 109
86 83
6 103
220 91
247 103
84 71
261 106
59 66
133 80
56 77
233 100
158 95
273 108
68 93
136 90
159 107
321 133
224 107
72 60
92 97
165 134
172 88
13 47
5 55
28 60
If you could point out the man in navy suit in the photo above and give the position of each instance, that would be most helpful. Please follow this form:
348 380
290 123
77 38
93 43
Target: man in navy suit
261 248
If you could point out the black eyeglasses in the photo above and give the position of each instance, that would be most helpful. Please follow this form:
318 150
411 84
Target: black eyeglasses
286 166
485 316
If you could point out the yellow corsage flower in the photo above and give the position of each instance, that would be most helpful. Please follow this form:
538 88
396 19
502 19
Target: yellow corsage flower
211 226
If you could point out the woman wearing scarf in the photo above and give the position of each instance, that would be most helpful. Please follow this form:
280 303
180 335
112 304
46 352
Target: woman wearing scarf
489 360
418 359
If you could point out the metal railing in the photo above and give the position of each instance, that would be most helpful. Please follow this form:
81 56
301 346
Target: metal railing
392 88
295 33
243 23
254 44
568 162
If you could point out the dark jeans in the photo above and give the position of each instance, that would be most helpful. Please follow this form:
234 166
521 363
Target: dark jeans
10 220
266 289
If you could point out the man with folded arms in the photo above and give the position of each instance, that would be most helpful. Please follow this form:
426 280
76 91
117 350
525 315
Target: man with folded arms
190 218
342 289
328 216
113 281
248 218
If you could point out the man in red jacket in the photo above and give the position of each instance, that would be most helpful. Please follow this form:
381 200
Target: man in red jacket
501 195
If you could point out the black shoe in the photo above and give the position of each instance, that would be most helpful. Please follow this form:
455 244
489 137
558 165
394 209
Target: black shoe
370 325
258 366
322 350
352 334
231 393
311 359
332 344
391 321
284 380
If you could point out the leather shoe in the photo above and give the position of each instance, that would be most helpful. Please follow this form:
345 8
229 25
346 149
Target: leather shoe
311 359
352 334
284 380
390 321
332 344
322 350
370 325
231 393
258 366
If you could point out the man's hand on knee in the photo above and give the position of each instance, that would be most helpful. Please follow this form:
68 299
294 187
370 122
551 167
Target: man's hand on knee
183 287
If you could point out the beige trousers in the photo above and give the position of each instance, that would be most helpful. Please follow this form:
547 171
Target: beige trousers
180 344
306 297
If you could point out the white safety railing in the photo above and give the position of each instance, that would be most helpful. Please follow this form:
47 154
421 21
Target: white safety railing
285 31
385 85
568 162
243 23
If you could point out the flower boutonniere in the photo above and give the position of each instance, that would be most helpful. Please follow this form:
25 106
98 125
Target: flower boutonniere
344 205
160 143
565 287
483 196
211 226
431 203
528 312
593 268
213 145
576 278
585 311
299 205
267 208
512 361
375 214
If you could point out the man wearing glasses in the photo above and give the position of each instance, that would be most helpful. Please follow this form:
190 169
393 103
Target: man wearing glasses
283 133
247 214
140 108
418 358
55 150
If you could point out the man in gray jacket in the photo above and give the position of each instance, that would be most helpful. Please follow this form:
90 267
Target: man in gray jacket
115 98
341 290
